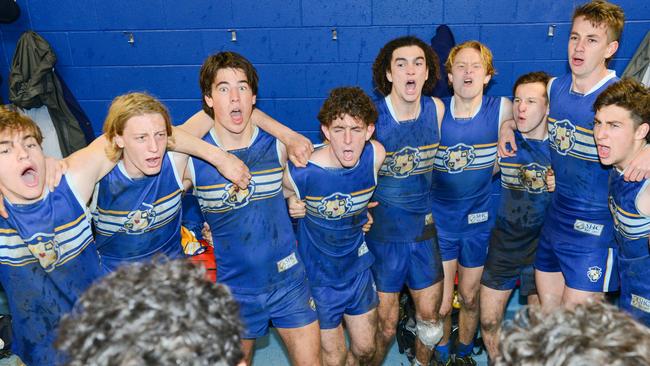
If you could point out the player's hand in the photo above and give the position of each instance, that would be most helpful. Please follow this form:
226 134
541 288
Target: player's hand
235 170
550 180
207 234
507 137
366 227
639 168
54 170
299 149
297 208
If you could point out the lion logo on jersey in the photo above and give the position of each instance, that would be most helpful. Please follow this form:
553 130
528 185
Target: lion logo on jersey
140 220
46 251
563 137
533 177
594 273
335 206
458 157
403 162
236 197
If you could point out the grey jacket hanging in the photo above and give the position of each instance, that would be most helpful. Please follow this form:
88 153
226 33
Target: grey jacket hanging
33 83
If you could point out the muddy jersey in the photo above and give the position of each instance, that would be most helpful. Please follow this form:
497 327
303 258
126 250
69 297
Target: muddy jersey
136 219
47 260
404 182
330 236
254 243
463 168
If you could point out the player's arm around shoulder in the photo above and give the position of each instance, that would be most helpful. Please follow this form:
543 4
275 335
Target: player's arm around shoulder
198 125
87 166
296 206
639 168
298 147
227 164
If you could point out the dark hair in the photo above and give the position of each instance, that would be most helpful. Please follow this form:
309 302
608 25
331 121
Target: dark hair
224 60
630 95
347 100
159 313
382 64
531 78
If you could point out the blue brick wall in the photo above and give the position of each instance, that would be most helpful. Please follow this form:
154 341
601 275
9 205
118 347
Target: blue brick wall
290 43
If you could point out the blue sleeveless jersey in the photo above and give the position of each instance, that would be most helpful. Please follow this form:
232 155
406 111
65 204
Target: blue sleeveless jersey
330 237
632 234
632 228
524 193
254 243
47 260
463 169
404 184
580 178
138 218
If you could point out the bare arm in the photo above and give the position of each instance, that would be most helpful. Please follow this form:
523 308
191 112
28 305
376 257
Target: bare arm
440 110
298 146
88 165
227 164
297 208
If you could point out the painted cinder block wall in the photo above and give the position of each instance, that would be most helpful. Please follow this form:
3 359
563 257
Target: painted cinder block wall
289 41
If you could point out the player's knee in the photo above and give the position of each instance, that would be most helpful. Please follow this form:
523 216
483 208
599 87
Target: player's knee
429 332
468 301
489 324
364 352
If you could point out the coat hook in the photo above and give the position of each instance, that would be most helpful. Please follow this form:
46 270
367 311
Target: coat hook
551 30
233 35
131 39
335 35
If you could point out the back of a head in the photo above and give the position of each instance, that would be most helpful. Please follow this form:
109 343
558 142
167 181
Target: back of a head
160 313
590 334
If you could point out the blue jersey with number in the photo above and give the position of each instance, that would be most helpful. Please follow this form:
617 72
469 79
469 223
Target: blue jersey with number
330 237
254 243
136 219
404 184
524 193
463 168
47 260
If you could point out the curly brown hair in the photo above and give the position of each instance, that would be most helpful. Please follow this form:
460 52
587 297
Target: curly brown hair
630 95
382 64
347 100
224 60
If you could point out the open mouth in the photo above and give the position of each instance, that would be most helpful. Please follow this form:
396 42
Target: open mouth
236 115
152 162
577 61
603 151
348 155
29 177
468 81
410 86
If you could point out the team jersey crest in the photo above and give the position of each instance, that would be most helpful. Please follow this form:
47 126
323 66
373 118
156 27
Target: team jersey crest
403 162
562 136
335 205
140 220
45 250
594 273
458 157
533 177
236 197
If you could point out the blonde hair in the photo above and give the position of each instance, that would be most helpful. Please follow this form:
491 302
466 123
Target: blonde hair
127 106
13 122
483 50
